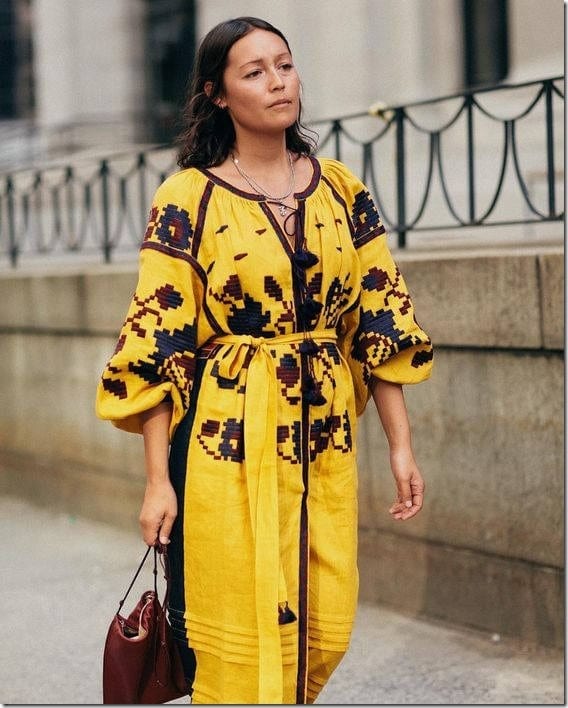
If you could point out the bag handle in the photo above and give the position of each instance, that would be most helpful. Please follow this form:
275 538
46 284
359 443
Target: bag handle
162 550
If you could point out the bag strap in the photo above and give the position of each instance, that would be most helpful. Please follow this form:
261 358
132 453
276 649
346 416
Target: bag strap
121 603
165 563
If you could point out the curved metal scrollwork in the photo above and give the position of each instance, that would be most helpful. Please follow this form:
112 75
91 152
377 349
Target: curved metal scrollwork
399 121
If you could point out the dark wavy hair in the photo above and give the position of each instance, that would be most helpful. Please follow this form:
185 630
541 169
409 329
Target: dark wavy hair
208 135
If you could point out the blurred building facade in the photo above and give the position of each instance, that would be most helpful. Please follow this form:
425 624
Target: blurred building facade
78 75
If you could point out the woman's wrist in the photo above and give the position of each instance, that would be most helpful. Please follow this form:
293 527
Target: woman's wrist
400 447
157 478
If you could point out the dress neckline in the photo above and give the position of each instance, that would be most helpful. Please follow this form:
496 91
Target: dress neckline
316 174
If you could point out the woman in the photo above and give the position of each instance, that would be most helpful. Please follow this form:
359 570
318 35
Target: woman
268 311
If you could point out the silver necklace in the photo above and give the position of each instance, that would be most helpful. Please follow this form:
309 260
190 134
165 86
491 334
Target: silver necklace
282 208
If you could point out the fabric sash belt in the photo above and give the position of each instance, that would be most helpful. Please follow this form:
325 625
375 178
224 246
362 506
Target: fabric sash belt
260 464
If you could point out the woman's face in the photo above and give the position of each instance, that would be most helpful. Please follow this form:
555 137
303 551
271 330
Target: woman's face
261 87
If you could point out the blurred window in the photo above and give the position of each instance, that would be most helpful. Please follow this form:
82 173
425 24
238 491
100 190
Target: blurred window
486 41
170 49
16 71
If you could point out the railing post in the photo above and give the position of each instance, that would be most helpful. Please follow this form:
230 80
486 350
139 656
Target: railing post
470 158
73 235
107 245
13 244
550 149
400 178
141 167
336 129
367 160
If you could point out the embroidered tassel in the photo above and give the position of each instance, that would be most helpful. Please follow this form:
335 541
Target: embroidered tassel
309 347
315 398
305 259
285 614
311 308
312 393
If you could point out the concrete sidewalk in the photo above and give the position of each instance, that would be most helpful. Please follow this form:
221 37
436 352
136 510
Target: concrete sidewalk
62 578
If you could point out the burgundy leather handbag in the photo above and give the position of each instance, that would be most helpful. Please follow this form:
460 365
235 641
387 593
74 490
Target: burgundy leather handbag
141 662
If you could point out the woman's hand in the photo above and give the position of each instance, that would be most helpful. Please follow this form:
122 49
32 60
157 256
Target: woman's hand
409 485
389 400
159 509
158 512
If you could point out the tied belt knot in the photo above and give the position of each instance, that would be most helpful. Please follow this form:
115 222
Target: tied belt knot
260 466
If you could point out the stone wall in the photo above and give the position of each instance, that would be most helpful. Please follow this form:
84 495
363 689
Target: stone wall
486 551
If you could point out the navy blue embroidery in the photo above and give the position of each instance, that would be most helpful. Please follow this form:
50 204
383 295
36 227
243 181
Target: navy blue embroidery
365 218
172 227
249 319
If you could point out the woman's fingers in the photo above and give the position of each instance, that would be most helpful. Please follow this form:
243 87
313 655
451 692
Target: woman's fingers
162 527
150 528
410 499
405 512
418 500
404 492
166 528
158 513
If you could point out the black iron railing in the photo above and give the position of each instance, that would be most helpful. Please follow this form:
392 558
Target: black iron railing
398 121
101 206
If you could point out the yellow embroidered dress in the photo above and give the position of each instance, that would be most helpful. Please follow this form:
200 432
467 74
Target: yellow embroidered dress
265 352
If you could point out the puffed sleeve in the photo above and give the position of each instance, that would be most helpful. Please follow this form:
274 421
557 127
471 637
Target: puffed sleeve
386 340
154 358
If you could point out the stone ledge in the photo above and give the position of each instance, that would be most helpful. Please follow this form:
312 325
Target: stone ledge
475 301
504 300
492 594
551 271
77 490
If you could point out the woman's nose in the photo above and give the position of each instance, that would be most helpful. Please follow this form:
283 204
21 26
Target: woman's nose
276 81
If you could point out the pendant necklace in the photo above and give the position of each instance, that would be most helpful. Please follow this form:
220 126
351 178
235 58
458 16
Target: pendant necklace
282 208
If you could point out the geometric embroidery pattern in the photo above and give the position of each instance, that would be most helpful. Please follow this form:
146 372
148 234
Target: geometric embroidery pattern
336 299
172 357
378 280
171 226
245 314
285 320
227 383
378 337
222 442
250 318
289 443
365 217
328 358
288 374
315 283
115 386
166 296
333 431
422 357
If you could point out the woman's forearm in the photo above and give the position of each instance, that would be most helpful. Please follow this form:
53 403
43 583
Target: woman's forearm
389 401
159 508
155 429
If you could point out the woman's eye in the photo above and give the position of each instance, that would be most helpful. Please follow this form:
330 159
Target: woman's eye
252 74
287 67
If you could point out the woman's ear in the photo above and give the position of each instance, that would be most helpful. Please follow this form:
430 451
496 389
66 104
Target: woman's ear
218 101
